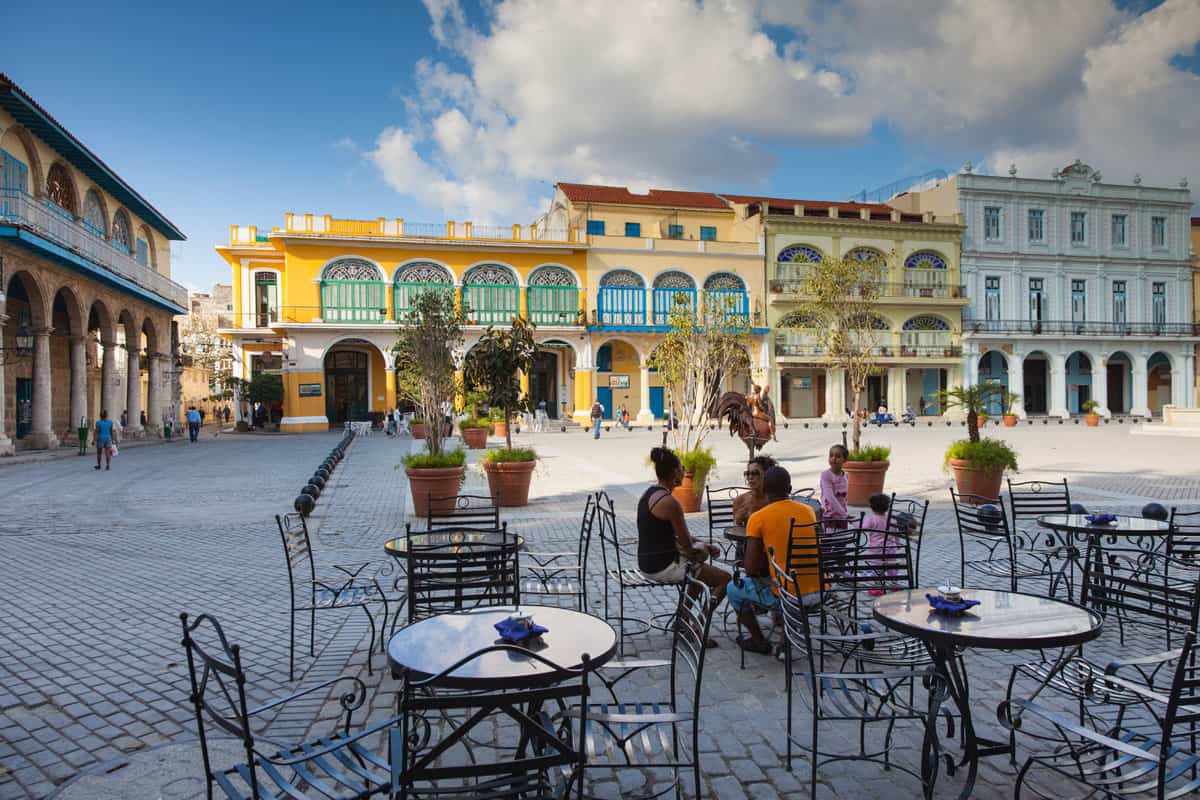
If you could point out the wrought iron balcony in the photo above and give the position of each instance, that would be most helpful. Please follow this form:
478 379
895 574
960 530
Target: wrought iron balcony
24 211
1079 328
891 290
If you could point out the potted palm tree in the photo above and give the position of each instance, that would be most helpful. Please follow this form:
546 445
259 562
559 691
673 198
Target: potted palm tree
425 339
1007 399
978 463
494 365
1089 407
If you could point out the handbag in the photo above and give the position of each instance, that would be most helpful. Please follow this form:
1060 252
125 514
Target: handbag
112 450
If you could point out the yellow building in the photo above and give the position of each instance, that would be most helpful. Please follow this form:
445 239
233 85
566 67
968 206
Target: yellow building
918 316
646 250
317 299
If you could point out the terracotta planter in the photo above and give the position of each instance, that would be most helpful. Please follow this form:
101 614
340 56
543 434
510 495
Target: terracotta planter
984 483
418 430
1010 420
981 421
439 482
1093 420
500 429
475 438
865 478
688 492
509 481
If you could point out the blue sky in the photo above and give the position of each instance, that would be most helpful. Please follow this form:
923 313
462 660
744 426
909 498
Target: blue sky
222 114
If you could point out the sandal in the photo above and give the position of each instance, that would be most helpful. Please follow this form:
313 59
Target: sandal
747 644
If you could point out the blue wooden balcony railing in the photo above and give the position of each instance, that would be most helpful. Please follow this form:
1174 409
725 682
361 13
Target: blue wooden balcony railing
667 300
622 305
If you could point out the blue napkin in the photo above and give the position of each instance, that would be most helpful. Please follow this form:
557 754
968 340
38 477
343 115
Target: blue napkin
1101 519
514 631
943 606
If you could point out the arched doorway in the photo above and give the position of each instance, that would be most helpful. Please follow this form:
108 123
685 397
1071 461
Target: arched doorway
26 314
551 378
1037 382
993 370
618 379
347 384
1079 381
1158 382
1120 384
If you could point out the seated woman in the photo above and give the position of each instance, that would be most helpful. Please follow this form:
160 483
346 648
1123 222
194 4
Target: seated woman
665 548
747 503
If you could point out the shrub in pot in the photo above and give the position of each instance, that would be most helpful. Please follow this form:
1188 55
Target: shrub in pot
1089 407
497 424
978 464
697 464
417 426
1008 398
434 475
474 433
509 472
866 468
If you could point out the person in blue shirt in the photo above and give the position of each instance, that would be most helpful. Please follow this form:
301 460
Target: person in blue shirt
104 440
193 422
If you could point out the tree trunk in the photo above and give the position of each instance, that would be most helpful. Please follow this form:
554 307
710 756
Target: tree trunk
508 427
972 424
856 434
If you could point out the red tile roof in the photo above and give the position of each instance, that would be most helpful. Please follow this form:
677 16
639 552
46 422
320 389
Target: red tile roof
620 195
780 205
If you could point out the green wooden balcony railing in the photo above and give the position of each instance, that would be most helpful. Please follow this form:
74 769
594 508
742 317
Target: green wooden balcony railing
404 293
488 304
353 301
553 305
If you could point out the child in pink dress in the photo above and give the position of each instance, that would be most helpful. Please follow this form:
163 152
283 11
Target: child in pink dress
880 539
835 485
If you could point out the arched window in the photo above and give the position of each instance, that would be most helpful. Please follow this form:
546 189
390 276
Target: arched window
793 265
725 295
553 296
417 277
352 290
622 298
93 214
673 290
794 335
121 236
60 190
144 252
925 274
800 254
797 319
866 255
926 335
490 294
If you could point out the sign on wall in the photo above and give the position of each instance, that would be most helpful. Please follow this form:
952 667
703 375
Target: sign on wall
618 381
802 382
310 390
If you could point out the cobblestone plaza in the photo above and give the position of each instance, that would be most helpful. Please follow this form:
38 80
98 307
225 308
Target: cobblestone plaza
97 566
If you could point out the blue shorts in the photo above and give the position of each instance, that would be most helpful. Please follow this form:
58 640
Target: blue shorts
751 590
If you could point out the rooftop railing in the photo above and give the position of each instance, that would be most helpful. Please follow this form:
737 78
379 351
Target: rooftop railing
398 228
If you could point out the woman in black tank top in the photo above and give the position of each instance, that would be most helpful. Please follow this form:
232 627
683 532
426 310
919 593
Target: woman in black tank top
657 548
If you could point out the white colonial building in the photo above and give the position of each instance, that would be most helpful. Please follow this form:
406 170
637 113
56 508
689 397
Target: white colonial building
1079 289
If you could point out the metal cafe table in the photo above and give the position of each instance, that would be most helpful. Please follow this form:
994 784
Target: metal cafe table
1123 525
446 543
1002 621
431 645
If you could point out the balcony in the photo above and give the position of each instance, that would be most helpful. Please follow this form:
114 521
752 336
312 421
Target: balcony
906 290
553 305
23 211
382 228
791 344
1074 328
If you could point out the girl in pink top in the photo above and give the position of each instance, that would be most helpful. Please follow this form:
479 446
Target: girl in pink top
881 541
834 488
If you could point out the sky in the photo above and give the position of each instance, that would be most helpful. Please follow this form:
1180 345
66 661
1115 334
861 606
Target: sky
226 113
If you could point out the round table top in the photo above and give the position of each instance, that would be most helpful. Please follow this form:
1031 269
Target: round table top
736 533
431 645
1002 620
1124 524
450 542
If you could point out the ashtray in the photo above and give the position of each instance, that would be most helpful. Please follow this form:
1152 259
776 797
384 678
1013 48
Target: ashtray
1101 519
951 594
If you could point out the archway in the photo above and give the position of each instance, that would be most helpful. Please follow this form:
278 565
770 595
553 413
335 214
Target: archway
1119 374
993 370
1036 393
551 381
68 364
1079 381
26 310
354 373
619 380
1158 382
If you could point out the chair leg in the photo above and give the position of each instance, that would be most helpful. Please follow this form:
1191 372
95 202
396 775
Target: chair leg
292 647
312 632
371 649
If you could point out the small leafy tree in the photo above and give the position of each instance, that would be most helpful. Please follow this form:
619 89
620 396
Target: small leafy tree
972 400
494 364
426 338
836 297
694 358
265 388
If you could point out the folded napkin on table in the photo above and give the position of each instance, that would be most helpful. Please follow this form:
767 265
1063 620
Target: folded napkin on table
515 631
1101 519
942 605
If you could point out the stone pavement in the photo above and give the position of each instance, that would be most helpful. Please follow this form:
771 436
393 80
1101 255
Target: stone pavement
92 675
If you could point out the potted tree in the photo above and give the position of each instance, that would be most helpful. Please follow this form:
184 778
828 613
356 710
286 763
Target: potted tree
978 463
417 426
693 360
265 388
836 297
425 341
474 430
494 365
1007 399
1089 407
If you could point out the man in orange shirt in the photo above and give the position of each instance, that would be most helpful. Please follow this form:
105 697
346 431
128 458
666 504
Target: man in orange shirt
770 528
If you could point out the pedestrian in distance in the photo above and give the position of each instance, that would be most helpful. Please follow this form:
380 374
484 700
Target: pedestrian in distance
597 415
104 440
125 419
193 422
225 413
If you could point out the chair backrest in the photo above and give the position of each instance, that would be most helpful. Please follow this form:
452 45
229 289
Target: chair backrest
1183 541
720 508
432 747
612 549
693 619
460 575
853 563
293 530
980 517
585 531
463 511
1148 589
795 614
1032 499
218 693
908 513
1183 708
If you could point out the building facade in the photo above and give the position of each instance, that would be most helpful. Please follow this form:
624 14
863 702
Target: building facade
1196 304
86 298
1079 289
318 300
917 316
206 356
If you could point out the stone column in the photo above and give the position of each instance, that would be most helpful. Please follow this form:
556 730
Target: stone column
109 381
831 407
154 394
837 381
896 390
1189 382
1141 399
1016 383
41 435
133 391
78 381
1100 385
644 415
1058 386
6 445
1180 391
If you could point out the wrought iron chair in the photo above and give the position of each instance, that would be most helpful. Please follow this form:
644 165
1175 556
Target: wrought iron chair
341 765
466 511
1183 543
646 734
562 574
839 683
720 510
1028 500
983 522
534 736
1145 755
908 513
617 555
348 589
455 576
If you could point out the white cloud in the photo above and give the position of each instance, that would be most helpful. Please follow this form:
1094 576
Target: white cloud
697 94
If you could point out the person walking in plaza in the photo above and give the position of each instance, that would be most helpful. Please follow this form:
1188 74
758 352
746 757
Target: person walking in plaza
597 415
835 487
105 437
125 419
193 422
770 528
623 416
